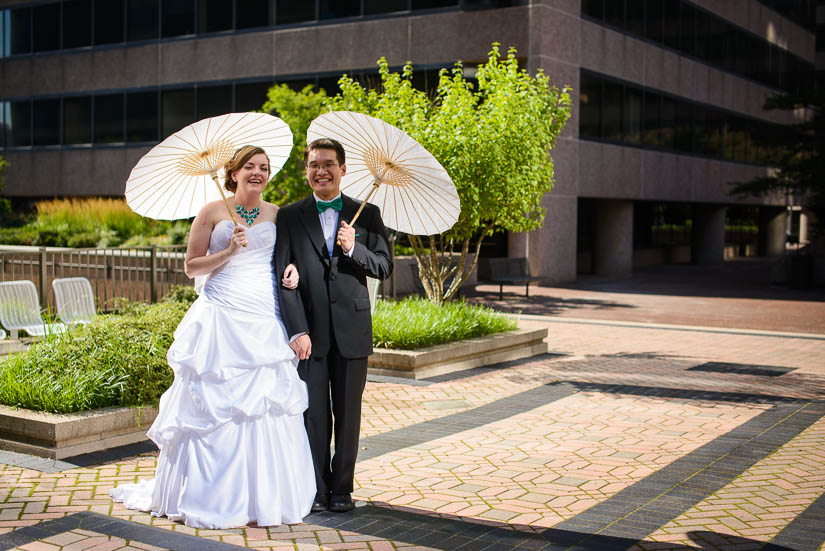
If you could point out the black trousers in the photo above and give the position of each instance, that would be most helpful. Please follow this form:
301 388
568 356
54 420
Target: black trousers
335 387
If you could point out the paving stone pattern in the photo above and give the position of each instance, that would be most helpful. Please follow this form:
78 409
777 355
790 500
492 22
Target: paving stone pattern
626 437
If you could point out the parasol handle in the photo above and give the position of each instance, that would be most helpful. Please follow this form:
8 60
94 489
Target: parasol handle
375 185
225 202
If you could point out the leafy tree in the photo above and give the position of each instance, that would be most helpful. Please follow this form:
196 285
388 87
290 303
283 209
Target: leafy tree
297 109
797 155
494 141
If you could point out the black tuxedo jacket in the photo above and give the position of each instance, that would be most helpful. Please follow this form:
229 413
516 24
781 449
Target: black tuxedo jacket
332 294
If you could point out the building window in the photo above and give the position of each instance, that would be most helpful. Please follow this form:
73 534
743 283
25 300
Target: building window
374 7
178 18
250 96
46 122
141 116
108 118
109 21
46 25
77 120
77 23
19 123
252 13
19 31
141 20
214 16
214 101
336 9
177 109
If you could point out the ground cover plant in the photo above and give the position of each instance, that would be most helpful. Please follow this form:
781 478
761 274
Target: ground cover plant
416 322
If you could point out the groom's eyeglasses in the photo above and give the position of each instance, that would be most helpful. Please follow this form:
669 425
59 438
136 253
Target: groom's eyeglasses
326 166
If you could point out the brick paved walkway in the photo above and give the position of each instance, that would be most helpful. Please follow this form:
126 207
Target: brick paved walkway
627 436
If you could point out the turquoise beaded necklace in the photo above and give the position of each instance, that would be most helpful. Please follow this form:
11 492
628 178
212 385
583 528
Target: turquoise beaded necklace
248 215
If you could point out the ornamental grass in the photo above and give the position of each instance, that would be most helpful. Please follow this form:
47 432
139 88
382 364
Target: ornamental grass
416 322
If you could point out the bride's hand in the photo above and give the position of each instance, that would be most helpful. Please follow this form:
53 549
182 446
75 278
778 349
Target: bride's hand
290 280
238 240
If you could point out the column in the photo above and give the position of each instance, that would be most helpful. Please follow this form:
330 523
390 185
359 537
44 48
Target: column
708 234
772 231
613 247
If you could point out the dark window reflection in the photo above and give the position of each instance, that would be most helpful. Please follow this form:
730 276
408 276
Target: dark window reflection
177 109
109 21
333 9
373 7
141 116
19 124
46 25
593 8
632 115
213 101
19 32
46 121
77 23
433 4
614 13
77 120
178 17
651 132
214 16
250 96
589 114
612 110
289 11
142 20
252 13
108 125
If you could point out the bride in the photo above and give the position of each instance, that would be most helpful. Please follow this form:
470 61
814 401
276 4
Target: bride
233 448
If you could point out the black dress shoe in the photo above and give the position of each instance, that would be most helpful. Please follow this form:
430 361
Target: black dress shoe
340 503
320 503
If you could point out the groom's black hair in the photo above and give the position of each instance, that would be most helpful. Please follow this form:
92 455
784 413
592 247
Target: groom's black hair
326 143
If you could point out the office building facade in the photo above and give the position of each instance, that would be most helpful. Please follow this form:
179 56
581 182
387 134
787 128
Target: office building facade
667 98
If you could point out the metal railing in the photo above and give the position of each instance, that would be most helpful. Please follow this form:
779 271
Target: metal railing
135 273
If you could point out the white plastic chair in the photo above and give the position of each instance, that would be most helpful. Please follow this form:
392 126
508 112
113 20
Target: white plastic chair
2 334
75 299
372 288
20 309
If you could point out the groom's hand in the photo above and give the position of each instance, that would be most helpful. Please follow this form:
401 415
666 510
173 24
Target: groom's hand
302 346
346 236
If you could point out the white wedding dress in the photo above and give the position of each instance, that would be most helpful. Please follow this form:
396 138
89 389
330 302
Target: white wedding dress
233 448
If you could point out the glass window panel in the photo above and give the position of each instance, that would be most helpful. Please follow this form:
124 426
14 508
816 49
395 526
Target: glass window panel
683 139
77 23
142 116
177 110
109 24
632 115
108 125
433 4
141 20
635 16
329 85
425 81
289 11
670 23
612 111
19 123
334 9
214 101
372 7
716 41
46 121
654 21
614 13
214 16
250 96
19 31
687 29
594 9
651 131
590 95
701 24
46 26
77 120
667 122
4 106
4 48
252 13
178 18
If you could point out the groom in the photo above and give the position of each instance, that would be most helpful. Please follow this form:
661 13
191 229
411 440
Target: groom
328 316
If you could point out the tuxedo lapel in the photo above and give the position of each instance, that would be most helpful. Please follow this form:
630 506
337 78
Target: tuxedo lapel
312 225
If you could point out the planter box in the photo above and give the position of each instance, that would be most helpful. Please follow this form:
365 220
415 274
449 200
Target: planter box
458 356
58 436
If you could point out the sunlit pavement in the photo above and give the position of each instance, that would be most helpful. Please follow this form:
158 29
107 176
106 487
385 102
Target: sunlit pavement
629 435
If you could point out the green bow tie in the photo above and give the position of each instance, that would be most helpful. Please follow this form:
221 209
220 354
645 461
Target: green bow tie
335 204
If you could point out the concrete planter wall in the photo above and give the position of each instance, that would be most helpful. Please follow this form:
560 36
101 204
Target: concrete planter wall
58 436
458 356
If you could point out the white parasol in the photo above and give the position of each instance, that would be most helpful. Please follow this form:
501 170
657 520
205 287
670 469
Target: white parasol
180 175
389 169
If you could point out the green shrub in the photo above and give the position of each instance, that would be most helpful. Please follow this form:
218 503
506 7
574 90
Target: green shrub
117 359
82 240
416 322
26 235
